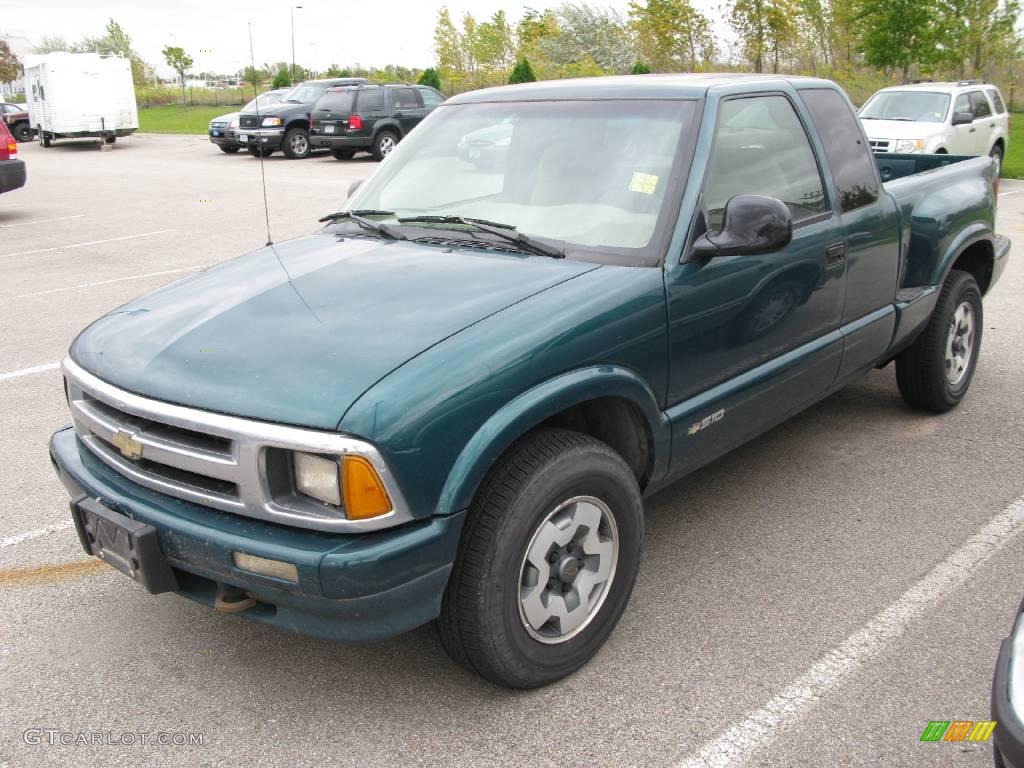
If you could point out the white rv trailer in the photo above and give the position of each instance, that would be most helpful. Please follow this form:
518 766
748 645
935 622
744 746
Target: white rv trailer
79 95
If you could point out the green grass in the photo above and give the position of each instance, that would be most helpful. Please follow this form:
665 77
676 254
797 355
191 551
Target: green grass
1013 163
179 119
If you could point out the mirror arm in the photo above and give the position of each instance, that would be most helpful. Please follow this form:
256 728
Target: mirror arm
704 247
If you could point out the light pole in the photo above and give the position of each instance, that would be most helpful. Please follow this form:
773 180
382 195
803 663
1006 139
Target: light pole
294 9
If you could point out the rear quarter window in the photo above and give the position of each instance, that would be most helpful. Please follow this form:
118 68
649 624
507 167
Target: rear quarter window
370 100
338 102
997 101
853 166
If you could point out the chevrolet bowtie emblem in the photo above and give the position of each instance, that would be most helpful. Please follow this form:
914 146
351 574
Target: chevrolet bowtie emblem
129 447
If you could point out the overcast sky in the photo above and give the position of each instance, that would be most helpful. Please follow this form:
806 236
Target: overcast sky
215 33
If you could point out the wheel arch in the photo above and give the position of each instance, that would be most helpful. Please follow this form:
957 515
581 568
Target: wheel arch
611 403
972 252
298 122
387 124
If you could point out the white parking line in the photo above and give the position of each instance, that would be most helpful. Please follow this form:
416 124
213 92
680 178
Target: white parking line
734 746
10 541
41 221
29 371
104 282
83 245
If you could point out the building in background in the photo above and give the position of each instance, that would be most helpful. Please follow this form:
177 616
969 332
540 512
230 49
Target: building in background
21 47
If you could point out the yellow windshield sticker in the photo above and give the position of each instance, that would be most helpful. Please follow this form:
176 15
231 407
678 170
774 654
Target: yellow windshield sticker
643 182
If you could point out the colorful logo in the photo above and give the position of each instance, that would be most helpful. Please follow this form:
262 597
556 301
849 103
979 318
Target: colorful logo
958 730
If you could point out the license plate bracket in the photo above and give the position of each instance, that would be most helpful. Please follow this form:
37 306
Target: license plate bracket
122 543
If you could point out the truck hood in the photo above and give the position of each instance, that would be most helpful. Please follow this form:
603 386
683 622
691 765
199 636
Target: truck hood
900 129
295 333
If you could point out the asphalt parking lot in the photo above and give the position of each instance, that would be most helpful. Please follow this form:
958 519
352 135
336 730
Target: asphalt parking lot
812 599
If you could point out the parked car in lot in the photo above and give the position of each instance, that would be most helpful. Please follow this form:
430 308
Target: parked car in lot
15 117
450 402
369 118
488 147
286 127
12 169
964 118
223 130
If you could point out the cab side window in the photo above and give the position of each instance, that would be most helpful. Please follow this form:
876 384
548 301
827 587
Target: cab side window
853 166
405 98
431 98
980 105
761 148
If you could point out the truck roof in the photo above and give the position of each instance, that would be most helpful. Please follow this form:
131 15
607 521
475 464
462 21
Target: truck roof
627 86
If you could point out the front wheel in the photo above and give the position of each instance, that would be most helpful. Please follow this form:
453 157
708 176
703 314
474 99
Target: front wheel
23 132
547 561
935 372
296 144
228 149
343 154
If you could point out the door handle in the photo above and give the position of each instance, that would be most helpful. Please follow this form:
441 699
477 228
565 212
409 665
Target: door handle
973 129
835 254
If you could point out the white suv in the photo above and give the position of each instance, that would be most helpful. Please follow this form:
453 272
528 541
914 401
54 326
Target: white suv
965 118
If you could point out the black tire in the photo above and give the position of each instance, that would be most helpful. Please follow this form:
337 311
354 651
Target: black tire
481 623
997 155
23 132
296 144
44 140
921 369
260 151
383 144
111 139
343 154
227 149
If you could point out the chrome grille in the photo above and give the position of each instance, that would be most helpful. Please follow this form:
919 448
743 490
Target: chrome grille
880 145
225 462
249 122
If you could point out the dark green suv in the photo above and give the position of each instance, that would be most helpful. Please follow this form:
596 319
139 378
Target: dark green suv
370 118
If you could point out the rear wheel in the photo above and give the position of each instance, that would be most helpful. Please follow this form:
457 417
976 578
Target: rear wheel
997 157
228 150
547 561
296 144
935 372
111 139
23 132
44 140
343 154
384 144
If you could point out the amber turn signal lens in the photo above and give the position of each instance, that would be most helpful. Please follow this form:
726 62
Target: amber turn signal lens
365 496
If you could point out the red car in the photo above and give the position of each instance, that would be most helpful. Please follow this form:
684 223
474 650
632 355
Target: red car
16 118
12 170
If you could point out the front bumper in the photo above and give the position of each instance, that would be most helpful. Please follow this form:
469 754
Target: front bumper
268 138
12 175
1009 731
352 587
223 137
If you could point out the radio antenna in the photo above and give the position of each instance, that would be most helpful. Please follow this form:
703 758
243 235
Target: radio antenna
259 145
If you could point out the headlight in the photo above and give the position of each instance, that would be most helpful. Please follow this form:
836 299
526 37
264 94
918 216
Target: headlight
271 122
909 146
351 479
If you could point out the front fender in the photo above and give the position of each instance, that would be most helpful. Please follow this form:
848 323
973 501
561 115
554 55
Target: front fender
540 403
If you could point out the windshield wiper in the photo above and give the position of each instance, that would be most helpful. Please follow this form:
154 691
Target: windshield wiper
373 226
506 232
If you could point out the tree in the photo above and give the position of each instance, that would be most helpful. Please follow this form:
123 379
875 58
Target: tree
766 29
601 34
522 73
974 34
429 78
281 79
180 62
493 45
51 45
115 41
10 67
640 69
448 47
896 34
672 35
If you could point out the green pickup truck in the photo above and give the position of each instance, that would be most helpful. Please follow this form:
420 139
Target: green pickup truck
449 403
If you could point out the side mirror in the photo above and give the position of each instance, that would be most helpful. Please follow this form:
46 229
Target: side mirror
751 224
963 118
354 186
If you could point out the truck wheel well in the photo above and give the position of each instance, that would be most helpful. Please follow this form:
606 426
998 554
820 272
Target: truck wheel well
616 422
999 143
978 261
304 124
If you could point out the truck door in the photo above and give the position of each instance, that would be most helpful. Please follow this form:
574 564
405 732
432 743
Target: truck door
754 337
870 229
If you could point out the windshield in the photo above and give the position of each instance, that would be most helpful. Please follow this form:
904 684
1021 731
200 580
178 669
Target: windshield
264 100
916 106
304 93
593 176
